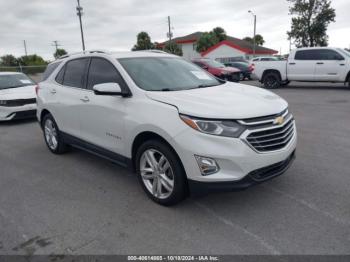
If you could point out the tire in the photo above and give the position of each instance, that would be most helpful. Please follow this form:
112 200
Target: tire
52 135
160 173
241 77
272 80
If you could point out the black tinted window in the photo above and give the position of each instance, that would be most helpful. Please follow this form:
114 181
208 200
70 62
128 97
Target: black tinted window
101 71
327 54
59 77
49 69
74 73
317 54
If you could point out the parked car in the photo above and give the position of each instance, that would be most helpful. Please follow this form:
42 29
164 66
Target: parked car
17 96
317 64
182 130
246 69
218 69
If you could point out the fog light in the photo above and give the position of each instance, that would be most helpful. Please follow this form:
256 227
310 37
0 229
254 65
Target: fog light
207 166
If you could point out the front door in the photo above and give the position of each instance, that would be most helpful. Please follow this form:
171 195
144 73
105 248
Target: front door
102 116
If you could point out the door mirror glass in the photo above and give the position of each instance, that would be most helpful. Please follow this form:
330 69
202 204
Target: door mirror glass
108 89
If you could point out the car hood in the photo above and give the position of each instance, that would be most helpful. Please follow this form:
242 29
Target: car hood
227 101
23 92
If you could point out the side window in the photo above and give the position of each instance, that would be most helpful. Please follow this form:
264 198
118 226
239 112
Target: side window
75 71
102 71
305 55
49 69
60 75
327 54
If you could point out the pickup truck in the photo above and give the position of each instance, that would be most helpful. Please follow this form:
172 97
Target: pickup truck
315 64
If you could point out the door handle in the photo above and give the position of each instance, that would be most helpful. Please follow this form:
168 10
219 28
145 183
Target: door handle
292 63
53 91
319 63
342 64
85 99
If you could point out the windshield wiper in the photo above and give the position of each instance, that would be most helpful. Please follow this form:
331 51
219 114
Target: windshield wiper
202 86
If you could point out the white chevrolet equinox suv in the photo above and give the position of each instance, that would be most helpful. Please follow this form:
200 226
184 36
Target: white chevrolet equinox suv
181 129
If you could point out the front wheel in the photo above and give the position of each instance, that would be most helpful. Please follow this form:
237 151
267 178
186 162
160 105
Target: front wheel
272 80
160 173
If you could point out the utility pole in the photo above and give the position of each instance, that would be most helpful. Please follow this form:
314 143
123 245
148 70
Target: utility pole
254 40
56 44
25 47
80 13
170 34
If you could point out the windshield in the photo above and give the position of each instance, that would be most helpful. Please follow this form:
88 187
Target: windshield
15 80
344 52
215 64
166 74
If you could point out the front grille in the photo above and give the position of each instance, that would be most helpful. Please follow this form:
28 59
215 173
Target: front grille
24 114
19 102
268 136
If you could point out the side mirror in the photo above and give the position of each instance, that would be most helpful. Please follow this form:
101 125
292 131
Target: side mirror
205 67
108 89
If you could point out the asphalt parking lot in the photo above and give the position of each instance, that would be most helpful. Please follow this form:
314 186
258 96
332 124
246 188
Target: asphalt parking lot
80 204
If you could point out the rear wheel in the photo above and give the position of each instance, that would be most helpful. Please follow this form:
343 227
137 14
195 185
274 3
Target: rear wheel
160 173
272 80
52 135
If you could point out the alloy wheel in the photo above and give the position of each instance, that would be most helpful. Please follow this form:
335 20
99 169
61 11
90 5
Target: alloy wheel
51 134
156 173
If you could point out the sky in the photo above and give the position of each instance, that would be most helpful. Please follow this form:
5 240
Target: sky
113 24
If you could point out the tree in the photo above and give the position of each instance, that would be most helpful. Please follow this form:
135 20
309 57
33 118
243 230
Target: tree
310 22
59 52
8 60
209 39
220 33
173 48
143 42
259 40
32 60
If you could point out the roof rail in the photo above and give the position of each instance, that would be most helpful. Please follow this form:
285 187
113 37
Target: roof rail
84 52
153 51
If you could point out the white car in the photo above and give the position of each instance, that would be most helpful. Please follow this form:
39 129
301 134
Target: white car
17 96
316 64
180 128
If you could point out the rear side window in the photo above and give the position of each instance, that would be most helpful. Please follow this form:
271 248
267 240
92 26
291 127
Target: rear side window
74 73
59 77
318 54
102 71
49 69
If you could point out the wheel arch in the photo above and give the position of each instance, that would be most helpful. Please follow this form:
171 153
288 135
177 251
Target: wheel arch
145 136
271 71
347 79
43 113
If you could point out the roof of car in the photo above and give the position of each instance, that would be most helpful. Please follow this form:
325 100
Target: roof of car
126 54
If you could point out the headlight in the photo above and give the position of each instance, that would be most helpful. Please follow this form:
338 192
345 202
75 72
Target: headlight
3 102
228 128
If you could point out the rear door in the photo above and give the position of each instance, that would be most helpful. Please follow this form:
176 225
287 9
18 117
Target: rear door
66 95
302 66
329 65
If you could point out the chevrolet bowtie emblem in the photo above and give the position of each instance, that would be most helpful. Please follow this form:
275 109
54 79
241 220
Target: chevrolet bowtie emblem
279 120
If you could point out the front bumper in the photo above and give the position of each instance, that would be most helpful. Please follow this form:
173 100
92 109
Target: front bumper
253 178
20 112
